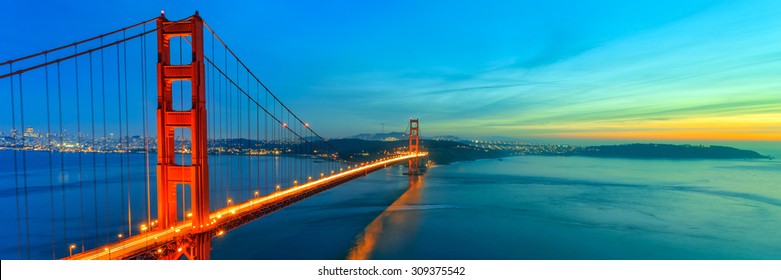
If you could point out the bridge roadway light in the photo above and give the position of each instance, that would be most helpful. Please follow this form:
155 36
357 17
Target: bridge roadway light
70 248
257 194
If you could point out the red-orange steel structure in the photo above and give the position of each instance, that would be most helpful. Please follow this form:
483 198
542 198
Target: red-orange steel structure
414 144
169 174
170 238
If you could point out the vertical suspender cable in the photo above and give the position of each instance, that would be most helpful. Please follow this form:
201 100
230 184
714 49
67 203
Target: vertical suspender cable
230 134
229 128
127 140
239 156
257 141
212 125
223 143
62 158
121 150
16 170
268 158
145 118
94 152
51 151
249 155
210 129
78 146
105 139
24 167
276 141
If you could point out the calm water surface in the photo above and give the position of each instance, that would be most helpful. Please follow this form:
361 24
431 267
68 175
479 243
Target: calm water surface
515 208
533 208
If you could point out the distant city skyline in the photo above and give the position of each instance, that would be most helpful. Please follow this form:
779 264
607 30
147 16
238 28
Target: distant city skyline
572 72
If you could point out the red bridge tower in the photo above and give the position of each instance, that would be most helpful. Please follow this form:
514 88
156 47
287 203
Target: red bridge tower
169 174
414 144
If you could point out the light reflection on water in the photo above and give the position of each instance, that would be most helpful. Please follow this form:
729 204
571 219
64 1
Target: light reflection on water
366 242
538 208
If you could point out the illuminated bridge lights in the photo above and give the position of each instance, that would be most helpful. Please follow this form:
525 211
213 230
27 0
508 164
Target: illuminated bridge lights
131 246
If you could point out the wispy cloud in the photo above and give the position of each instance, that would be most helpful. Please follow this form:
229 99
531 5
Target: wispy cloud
721 63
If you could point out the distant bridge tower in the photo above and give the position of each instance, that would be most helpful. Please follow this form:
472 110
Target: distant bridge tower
414 144
169 174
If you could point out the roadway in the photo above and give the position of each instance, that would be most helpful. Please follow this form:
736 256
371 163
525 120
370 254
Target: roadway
148 241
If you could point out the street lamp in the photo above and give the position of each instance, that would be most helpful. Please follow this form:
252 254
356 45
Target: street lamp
257 194
71 249
119 236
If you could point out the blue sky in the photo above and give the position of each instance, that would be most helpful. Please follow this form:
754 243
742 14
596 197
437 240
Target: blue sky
572 70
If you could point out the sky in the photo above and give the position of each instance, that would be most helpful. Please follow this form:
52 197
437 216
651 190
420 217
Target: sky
567 71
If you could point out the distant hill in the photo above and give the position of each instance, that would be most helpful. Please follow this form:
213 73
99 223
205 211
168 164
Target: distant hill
445 138
395 136
445 151
390 136
440 152
665 151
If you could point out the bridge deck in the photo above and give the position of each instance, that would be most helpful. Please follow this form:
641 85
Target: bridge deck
158 241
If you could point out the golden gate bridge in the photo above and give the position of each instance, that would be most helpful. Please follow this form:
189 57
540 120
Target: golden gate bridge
223 151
